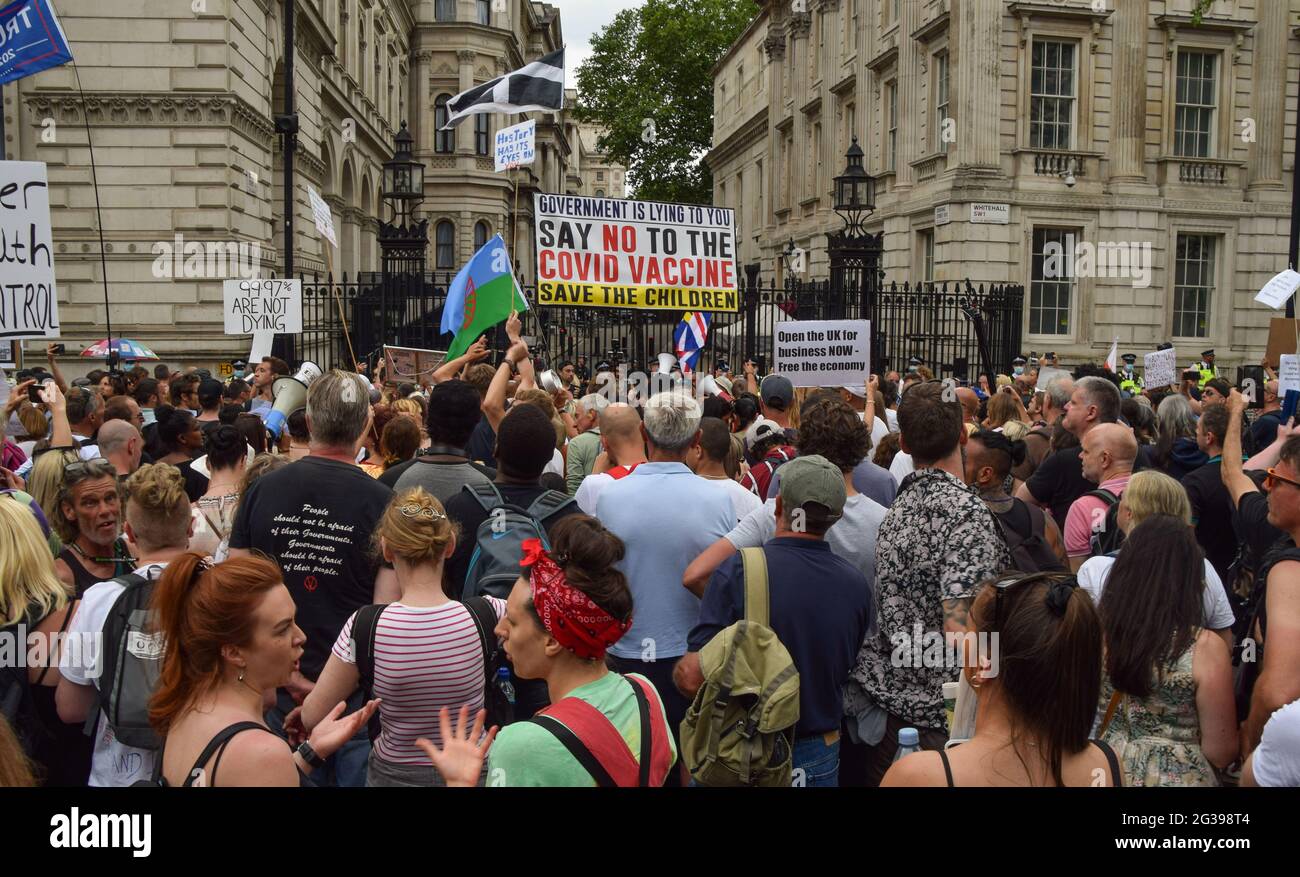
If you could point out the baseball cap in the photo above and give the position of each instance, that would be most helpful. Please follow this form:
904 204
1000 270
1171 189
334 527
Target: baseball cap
210 392
813 479
776 388
761 429
857 390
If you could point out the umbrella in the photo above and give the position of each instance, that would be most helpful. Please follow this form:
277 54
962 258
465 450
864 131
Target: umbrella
125 348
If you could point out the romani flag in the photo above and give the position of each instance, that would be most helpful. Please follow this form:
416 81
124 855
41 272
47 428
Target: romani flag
482 295
689 338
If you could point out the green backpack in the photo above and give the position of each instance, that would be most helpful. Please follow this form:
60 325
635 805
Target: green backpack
739 730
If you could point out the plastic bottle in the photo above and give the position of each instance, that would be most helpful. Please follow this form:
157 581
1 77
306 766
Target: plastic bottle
909 741
504 685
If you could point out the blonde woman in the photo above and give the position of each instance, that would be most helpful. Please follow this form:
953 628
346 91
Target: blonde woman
46 480
426 651
33 601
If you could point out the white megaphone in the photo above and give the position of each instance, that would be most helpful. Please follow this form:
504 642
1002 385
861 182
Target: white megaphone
290 394
709 387
666 363
550 381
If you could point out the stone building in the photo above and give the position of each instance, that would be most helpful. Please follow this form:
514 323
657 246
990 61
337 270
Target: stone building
181 99
1158 153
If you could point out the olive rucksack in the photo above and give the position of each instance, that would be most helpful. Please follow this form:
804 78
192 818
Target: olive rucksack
1106 534
739 731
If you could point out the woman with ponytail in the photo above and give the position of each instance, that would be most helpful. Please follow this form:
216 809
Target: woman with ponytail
1035 662
180 440
231 639
214 512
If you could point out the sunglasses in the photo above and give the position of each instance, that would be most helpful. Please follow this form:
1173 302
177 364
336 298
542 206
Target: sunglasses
1009 582
1271 478
88 469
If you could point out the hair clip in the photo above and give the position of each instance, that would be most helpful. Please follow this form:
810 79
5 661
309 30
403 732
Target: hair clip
414 510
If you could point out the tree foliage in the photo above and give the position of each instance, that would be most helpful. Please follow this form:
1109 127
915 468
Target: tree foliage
649 84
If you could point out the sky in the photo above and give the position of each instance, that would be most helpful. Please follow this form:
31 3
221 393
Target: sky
580 19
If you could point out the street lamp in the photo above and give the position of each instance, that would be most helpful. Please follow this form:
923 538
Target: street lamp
855 191
403 179
402 241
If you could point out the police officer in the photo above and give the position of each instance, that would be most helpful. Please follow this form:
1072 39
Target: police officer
1207 369
1018 366
1129 382
914 362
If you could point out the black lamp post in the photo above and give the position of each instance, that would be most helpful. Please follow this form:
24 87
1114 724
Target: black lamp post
403 241
855 191
854 252
403 179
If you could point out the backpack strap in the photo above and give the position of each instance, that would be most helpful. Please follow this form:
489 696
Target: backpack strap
548 504
363 643
592 740
63 628
1104 495
756 589
1111 759
216 745
485 620
656 756
487 495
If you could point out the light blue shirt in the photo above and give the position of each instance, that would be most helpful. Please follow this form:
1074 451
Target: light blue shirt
666 516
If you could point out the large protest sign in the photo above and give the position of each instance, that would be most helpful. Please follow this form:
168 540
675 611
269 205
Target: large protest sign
262 306
1161 368
321 215
412 364
515 145
823 353
29 302
31 39
607 252
1288 374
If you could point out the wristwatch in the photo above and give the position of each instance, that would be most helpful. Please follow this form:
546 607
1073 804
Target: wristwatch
309 755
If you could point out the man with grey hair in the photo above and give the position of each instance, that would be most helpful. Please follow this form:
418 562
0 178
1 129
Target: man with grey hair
121 444
584 448
666 516
1038 441
315 517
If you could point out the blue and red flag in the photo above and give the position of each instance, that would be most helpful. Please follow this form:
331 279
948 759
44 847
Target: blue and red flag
689 338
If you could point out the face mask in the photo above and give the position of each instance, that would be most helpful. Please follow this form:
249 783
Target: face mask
1019 370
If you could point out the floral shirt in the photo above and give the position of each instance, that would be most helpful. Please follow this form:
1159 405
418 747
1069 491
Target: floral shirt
939 541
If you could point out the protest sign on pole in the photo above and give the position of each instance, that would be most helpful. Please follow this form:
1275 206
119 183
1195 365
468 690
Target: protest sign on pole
262 306
262 342
515 146
823 353
607 252
1161 368
1046 375
29 302
412 363
1280 288
321 215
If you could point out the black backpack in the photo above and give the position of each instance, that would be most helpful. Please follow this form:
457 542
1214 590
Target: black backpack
1109 537
132 661
500 711
1030 551
1246 671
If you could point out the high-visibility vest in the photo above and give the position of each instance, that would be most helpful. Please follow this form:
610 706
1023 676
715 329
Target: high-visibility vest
1207 375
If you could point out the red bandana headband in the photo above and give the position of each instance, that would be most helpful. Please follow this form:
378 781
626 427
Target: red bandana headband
567 613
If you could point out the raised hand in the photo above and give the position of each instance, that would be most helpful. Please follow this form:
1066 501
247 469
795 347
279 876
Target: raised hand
478 351
336 729
460 760
513 327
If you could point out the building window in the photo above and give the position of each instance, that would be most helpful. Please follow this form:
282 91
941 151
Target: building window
444 10
482 231
443 141
1195 104
484 12
481 122
815 164
600 176
722 194
445 238
1052 281
926 248
740 200
942 105
740 83
1051 95
1193 285
891 119
758 202
853 14
600 193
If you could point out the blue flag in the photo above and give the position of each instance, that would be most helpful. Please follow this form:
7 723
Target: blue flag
482 295
32 40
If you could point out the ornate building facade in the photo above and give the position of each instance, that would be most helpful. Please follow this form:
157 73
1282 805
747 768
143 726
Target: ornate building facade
1158 156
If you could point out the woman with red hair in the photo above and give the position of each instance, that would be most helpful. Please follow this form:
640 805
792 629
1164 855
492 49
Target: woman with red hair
231 639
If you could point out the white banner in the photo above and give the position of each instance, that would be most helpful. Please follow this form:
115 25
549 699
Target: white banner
1161 369
1279 289
29 302
515 145
252 306
823 353
1288 374
320 213
1047 374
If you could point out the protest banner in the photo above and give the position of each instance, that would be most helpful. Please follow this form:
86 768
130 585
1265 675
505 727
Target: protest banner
1280 288
607 252
261 349
1046 375
1283 337
1288 374
412 363
321 215
1161 369
31 39
515 145
262 306
823 353
29 302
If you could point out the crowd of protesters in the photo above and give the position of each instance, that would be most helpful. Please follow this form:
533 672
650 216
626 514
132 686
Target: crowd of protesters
501 576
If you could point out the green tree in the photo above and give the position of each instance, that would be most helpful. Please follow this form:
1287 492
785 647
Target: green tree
649 84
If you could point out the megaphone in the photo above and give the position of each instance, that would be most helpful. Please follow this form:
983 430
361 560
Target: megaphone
666 363
709 387
290 394
550 381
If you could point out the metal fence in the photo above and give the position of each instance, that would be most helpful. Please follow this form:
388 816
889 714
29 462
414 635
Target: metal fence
908 319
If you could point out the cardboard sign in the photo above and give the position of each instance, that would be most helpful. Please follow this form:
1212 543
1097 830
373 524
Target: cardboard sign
1161 369
412 363
515 145
1283 337
29 302
1288 374
262 306
321 215
607 252
1279 289
823 353
1047 374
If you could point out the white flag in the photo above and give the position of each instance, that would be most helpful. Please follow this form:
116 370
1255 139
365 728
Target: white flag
1112 358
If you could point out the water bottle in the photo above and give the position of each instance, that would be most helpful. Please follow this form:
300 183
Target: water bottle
505 686
909 741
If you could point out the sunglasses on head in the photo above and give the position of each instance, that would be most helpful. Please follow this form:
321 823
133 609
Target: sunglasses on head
88 469
1054 580
1272 477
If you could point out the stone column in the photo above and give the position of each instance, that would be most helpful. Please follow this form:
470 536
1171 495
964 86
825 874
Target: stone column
799 27
909 95
977 87
465 130
1269 82
422 116
351 242
774 47
1129 90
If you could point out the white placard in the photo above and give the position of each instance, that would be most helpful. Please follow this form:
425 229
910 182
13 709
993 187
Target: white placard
262 342
942 215
823 353
1047 374
1161 369
29 302
1288 374
262 306
324 219
515 145
1279 289
991 214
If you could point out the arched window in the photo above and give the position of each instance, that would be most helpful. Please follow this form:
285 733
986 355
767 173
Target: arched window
444 141
600 193
445 237
484 12
481 134
482 231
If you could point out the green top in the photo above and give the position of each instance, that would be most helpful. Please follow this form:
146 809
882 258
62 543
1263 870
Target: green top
582 454
526 754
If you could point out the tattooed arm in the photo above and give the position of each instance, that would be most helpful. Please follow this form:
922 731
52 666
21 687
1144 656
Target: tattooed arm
956 615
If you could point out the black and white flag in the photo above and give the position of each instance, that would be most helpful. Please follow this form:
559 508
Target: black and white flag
535 86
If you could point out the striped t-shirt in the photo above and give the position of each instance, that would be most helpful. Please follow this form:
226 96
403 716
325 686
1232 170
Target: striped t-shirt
426 657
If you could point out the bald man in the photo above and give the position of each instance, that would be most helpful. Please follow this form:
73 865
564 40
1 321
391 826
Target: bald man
970 405
1108 452
121 444
623 450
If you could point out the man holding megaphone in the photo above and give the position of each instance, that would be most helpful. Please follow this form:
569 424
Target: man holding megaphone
290 394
